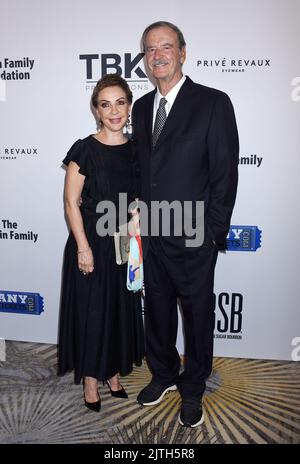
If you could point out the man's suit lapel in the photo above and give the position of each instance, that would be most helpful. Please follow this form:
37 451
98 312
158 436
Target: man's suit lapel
149 116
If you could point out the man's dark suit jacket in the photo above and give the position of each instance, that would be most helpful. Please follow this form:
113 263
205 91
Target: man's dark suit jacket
196 155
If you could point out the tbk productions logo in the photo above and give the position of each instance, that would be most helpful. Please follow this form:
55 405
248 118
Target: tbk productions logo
21 302
127 65
243 238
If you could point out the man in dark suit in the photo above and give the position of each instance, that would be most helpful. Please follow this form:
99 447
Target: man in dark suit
187 144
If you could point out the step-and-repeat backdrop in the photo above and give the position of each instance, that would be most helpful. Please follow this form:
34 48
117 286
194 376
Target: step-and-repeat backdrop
51 55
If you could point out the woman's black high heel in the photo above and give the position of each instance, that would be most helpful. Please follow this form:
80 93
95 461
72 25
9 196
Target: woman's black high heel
117 393
92 406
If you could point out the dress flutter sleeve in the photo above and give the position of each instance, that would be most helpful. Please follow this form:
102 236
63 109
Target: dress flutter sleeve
79 154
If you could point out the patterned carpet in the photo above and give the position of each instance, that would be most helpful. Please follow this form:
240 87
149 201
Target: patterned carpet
247 401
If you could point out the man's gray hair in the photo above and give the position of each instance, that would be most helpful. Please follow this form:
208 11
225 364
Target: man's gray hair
180 38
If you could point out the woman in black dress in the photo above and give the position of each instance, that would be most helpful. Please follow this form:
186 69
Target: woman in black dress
101 329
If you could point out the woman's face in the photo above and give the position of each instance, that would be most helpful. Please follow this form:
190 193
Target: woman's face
113 108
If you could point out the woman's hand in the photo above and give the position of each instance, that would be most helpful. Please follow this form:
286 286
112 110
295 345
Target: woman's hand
134 225
85 261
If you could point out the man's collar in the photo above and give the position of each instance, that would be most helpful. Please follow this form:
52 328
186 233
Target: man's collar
172 94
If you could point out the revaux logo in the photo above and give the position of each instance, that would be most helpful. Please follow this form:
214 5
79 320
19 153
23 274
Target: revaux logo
21 302
243 238
128 65
234 64
16 153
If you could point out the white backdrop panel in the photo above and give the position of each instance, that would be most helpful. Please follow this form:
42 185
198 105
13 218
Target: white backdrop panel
249 50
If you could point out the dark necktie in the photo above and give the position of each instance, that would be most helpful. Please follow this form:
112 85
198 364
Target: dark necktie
161 116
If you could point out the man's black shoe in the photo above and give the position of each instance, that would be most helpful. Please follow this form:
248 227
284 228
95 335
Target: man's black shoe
191 414
154 393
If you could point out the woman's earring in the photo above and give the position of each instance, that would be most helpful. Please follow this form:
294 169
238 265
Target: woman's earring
128 126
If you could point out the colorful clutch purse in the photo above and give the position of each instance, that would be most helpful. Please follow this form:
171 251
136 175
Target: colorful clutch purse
135 271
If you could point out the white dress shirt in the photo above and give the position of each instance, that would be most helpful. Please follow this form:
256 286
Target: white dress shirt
170 97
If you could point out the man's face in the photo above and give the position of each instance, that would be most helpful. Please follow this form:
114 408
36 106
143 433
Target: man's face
163 55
